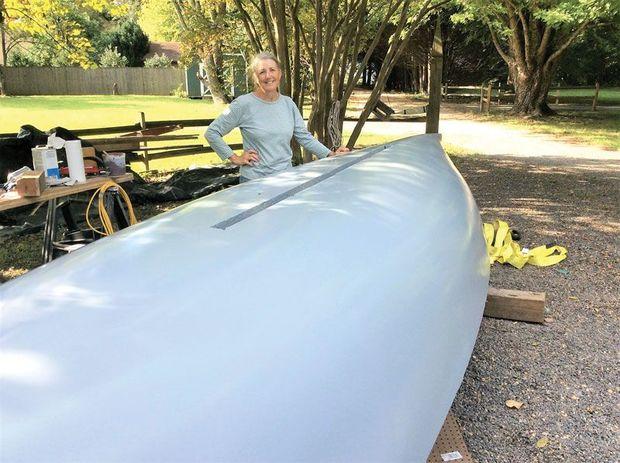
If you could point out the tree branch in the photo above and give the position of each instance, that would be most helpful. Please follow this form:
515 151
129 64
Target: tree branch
249 26
567 43
544 44
515 40
178 8
505 56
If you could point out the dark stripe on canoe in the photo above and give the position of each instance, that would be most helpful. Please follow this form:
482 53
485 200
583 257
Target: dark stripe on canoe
293 191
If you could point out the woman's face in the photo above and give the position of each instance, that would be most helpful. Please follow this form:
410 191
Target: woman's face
268 75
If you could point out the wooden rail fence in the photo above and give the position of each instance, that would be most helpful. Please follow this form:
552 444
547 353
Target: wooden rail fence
134 139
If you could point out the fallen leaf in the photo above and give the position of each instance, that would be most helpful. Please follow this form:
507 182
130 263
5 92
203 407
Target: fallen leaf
542 442
514 404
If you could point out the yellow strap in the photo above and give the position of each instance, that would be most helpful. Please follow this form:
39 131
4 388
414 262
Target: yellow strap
503 249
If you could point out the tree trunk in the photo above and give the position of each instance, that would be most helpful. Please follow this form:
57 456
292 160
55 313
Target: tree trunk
2 82
531 90
218 91
3 46
434 86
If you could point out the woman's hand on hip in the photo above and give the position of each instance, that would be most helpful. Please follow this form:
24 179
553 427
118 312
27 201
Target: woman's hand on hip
248 158
339 151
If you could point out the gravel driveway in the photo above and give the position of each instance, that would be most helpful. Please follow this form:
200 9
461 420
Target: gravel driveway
566 371
492 138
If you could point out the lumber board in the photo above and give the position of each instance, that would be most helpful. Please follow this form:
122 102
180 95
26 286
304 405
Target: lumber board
512 304
138 139
190 151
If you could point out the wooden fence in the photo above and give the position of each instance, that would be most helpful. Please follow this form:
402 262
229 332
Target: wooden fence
102 81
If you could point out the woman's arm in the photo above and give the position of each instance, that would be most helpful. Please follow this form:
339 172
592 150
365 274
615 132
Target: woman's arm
227 121
305 138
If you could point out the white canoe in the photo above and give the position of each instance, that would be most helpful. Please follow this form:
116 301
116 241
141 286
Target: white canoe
324 314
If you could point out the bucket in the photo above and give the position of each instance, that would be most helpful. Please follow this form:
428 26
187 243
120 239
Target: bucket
115 163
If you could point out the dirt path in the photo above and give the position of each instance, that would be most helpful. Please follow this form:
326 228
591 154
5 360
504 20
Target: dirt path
492 139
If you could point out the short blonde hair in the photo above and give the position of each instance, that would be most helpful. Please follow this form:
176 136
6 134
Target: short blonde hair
256 59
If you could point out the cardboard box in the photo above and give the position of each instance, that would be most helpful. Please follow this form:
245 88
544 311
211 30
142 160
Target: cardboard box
46 159
89 152
31 184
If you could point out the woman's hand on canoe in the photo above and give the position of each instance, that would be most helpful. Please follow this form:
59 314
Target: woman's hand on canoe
339 151
248 158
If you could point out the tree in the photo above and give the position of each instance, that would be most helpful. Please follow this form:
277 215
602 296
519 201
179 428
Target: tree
331 41
64 27
532 35
130 41
204 26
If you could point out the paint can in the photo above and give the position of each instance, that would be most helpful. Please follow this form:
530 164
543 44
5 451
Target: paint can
115 163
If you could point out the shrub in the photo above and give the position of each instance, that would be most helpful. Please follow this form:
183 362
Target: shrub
158 61
180 91
111 58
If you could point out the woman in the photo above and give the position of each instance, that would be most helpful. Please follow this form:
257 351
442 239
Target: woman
267 121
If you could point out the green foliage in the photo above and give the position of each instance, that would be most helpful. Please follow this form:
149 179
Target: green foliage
40 55
180 91
158 20
558 14
60 31
130 41
111 58
594 58
158 61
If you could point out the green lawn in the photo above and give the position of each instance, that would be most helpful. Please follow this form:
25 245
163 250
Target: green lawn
79 112
606 97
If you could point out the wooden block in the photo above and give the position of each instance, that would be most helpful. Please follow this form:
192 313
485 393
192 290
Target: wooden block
511 304
31 184
89 152
450 445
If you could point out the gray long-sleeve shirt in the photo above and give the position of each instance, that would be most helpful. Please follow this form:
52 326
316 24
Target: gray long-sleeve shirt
266 127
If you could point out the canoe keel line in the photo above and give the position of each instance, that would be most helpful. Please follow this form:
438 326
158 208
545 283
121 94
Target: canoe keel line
293 191
304 317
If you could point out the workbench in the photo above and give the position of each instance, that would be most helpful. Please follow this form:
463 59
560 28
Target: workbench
51 195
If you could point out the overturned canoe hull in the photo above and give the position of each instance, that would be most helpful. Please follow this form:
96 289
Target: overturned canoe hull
324 314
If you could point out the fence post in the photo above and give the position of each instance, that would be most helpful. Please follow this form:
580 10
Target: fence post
499 94
557 95
482 97
597 87
488 98
146 153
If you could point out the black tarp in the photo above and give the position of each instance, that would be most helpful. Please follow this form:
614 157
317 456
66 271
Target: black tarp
183 185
